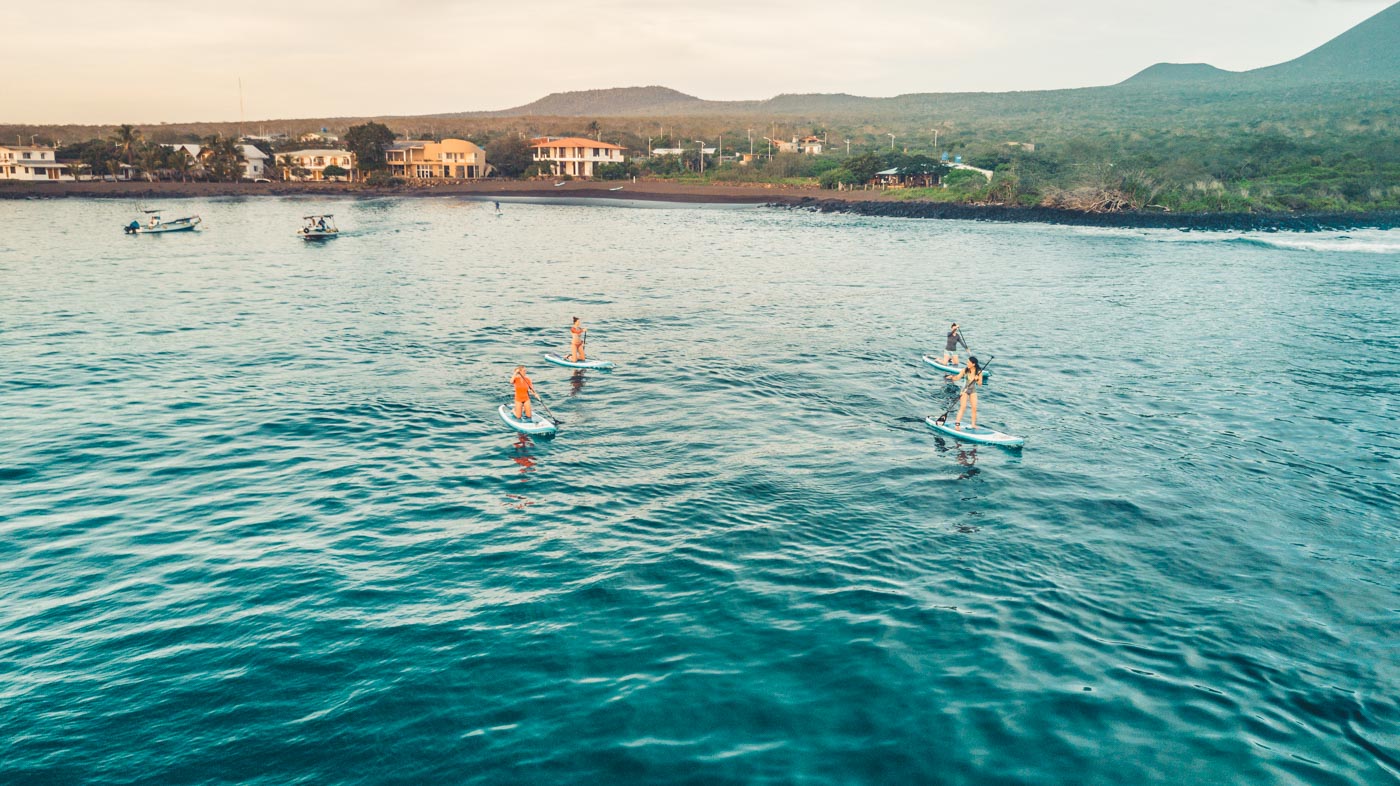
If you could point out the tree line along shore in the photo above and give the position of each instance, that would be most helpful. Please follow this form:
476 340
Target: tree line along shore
1332 155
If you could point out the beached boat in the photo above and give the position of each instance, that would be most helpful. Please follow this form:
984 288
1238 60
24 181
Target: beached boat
319 228
154 225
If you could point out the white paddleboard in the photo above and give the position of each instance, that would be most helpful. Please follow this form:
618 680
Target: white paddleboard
950 369
603 365
539 425
984 436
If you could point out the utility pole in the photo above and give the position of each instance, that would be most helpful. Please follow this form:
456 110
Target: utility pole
701 142
750 141
848 148
891 136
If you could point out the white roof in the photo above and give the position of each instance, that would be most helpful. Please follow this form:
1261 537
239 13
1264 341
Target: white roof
316 152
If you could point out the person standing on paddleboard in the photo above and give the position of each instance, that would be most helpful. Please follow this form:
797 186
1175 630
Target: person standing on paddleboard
523 389
950 350
579 337
972 377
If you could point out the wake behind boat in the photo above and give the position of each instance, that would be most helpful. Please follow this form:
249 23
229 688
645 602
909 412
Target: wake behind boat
319 228
155 226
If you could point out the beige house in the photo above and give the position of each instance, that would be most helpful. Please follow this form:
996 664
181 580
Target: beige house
448 159
576 156
313 163
31 162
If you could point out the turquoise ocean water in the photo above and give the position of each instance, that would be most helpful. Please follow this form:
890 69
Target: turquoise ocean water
260 524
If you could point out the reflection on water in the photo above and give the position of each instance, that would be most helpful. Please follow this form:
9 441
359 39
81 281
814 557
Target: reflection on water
521 454
576 383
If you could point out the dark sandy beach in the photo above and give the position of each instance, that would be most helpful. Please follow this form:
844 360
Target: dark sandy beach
870 203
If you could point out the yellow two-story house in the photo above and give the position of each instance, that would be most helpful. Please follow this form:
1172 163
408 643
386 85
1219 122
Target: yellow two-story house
446 160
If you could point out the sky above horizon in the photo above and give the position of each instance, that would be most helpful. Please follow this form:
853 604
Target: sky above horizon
139 61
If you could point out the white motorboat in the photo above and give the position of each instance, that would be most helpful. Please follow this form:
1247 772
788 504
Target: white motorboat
319 228
155 225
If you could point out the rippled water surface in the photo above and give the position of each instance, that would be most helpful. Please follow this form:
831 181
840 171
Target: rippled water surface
261 524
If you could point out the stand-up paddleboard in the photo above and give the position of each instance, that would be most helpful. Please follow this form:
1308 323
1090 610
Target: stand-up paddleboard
538 425
947 369
603 365
981 435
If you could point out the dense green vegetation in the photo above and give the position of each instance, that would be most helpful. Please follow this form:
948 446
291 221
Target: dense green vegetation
1183 147
104 157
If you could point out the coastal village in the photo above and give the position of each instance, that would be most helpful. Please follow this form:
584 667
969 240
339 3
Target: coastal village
324 157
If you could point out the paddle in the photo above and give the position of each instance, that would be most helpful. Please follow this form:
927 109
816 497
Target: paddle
980 372
545 406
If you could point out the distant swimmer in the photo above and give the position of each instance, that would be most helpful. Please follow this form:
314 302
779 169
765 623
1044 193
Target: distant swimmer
971 375
524 388
580 337
950 350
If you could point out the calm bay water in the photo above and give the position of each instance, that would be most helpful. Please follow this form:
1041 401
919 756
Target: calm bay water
260 523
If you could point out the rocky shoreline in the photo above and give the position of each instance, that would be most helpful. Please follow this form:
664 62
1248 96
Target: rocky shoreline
1243 222
865 203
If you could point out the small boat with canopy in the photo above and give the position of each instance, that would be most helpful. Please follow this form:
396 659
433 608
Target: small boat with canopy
319 227
154 225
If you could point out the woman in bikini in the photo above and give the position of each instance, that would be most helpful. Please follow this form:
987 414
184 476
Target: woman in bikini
579 337
971 375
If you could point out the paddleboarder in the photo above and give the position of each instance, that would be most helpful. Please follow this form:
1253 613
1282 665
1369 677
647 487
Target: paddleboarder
580 335
972 377
950 350
524 388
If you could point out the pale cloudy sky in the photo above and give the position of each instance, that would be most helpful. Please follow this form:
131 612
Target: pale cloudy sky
142 61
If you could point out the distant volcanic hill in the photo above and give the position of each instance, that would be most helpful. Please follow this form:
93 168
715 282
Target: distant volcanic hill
1369 52
1178 73
616 101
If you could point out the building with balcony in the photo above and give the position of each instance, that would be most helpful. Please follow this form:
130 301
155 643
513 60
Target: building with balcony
311 164
576 156
31 162
446 160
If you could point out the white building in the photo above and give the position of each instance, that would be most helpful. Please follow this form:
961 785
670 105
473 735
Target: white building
314 163
31 162
576 156
680 151
254 162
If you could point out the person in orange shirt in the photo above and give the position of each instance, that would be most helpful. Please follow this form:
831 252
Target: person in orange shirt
579 337
523 389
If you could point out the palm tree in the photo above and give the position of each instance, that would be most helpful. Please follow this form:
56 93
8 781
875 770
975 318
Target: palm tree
127 138
182 163
151 161
595 129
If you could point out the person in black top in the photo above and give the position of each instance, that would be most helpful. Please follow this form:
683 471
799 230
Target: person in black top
950 350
